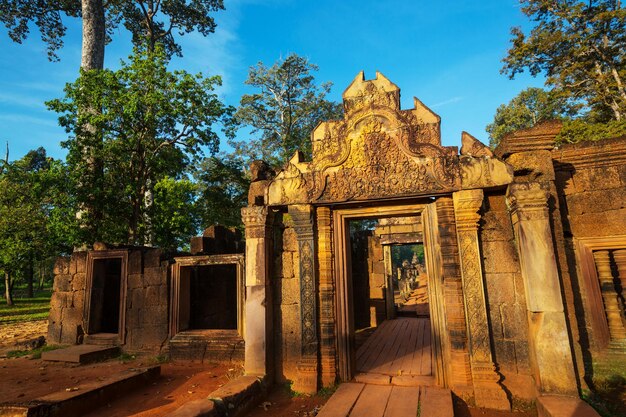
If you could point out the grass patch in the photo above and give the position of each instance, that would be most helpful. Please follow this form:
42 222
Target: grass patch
26 309
608 388
35 353
126 357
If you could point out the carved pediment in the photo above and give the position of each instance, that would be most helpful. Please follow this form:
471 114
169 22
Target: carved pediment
376 151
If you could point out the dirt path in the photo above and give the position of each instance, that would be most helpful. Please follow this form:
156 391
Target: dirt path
11 335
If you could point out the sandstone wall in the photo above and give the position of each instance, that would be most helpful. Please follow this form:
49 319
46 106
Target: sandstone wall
505 296
147 297
286 287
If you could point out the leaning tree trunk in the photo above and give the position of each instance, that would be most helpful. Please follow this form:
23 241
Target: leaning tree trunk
8 288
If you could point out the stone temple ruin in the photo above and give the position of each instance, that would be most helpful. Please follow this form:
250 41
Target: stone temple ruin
389 258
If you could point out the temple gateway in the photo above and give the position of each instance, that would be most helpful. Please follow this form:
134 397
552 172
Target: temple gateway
387 259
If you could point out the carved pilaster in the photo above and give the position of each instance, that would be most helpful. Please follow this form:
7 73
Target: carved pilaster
302 216
258 324
487 391
326 296
620 261
609 295
551 356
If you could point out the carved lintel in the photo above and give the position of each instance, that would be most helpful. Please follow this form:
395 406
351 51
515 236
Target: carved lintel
527 201
467 203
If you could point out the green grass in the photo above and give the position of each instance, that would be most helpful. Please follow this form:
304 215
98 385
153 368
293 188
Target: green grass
35 353
608 387
26 309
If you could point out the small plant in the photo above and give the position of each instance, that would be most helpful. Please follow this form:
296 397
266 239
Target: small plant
126 357
235 372
34 353
327 392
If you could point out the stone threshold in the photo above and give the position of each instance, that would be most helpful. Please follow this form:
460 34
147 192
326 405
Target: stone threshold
234 399
86 397
560 406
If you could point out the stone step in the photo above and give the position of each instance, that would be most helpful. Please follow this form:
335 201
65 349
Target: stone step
557 406
102 339
207 345
82 354
85 397
436 402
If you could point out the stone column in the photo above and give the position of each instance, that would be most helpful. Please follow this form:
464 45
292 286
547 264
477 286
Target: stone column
487 392
551 351
306 381
609 295
620 261
326 297
258 309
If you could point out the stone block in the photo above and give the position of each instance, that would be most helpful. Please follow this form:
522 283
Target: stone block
597 201
500 257
496 202
290 242
565 183
535 165
287 265
78 300
505 355
135 262
377 293
256 319
520 291
155 276
135 281
152 258
597 178
521 387
78 281
60 299
378 267
496 226
522 354
496 322
61 266
514 322
54 331
377 280
71 315
500 288
196 408
290 293
148 337
153 295
137 298
62 283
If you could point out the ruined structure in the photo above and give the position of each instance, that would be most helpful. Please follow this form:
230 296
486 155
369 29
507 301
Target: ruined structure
143 300
519 267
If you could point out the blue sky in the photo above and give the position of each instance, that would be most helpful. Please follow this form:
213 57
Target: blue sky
448 54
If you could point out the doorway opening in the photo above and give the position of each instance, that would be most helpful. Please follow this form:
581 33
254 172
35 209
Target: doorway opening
105 298
389 287
208 297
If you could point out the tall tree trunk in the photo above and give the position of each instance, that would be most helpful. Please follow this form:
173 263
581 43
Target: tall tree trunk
42 274
8 288
94 34
30 277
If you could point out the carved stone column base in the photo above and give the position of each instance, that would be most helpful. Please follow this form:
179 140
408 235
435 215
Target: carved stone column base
488 393
306 380
329 372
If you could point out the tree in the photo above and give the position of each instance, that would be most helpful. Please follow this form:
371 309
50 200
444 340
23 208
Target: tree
529 107
580 47
153 124
31 204
223 191
100 19
284 111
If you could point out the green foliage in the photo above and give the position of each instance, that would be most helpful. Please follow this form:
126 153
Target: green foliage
140 18
286 108
574 131
151 124
174 213
529 107
580 47
34 353
223 191
400 253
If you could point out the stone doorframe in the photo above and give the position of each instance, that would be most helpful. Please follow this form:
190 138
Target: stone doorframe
206 260
109 254
343 294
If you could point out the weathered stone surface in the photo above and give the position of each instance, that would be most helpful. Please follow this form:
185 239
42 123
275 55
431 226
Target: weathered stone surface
152 258
287 265
196 408
499 257
290 242
62 266
78 281
532 165
62 283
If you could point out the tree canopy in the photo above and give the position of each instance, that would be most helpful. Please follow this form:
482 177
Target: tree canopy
139 17
286 108
580 47
151 125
